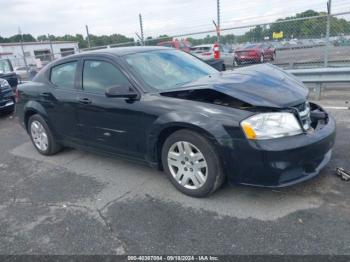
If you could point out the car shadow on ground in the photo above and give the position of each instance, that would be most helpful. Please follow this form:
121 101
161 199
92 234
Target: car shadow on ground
125 180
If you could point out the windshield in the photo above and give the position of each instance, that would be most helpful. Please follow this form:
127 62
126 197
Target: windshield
168 69
5 67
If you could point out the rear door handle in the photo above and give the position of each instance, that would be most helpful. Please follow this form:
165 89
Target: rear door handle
85 101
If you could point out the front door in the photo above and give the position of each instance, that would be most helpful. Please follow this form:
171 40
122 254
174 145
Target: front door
110 124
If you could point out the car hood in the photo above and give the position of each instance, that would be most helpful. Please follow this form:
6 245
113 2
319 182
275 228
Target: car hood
260 85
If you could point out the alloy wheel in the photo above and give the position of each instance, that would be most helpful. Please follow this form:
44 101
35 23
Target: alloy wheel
39 135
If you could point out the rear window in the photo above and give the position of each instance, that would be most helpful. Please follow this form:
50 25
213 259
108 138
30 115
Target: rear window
63 76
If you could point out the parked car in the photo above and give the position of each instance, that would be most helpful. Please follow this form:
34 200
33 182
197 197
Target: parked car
183 45
206 52
26 73
21 72
255 53
8 85
7 97
7 73
166 108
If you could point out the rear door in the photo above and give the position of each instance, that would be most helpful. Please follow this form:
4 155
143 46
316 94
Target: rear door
59 98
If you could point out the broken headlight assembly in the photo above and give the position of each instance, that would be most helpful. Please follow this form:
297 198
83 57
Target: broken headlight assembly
271 125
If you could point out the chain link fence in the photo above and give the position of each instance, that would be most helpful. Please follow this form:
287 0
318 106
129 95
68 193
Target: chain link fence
298 42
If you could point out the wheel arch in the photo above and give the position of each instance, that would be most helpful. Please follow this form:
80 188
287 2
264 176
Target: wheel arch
155 148
32 108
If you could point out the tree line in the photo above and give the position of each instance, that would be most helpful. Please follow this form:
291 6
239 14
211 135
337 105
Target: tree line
296 28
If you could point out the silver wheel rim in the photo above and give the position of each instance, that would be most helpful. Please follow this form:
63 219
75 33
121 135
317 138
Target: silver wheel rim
187 165
39 135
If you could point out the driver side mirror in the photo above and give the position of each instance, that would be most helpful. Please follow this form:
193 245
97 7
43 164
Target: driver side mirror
126 91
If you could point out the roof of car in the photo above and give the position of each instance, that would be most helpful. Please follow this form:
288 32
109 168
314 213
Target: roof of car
121 51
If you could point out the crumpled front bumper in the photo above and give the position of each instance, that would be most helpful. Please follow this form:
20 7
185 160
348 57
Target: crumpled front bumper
284 161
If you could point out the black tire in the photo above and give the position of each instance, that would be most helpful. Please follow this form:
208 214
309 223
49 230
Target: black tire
215 174
53 147
223 67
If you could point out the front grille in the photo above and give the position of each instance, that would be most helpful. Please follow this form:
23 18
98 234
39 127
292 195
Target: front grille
304 114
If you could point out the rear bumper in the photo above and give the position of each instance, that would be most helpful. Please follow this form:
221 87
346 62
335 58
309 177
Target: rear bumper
285 161
247 59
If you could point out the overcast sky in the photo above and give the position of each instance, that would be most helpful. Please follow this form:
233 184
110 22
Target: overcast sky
61 17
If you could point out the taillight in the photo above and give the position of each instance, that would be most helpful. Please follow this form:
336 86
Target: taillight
207 53
216 51
17 96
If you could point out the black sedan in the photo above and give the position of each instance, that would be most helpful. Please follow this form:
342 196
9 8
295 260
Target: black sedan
251 126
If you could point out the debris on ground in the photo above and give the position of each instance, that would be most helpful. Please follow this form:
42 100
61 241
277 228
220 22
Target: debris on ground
342 173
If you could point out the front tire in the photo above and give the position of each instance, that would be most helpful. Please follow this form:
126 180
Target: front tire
42 137
192 163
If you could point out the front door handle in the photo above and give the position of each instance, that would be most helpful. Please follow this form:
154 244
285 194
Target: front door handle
85 101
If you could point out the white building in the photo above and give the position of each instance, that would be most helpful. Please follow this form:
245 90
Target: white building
36 53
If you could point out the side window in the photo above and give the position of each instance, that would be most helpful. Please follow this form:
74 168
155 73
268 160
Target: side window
63 76
100 75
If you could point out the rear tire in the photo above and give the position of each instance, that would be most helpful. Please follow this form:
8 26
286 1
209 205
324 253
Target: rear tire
42 137
196 170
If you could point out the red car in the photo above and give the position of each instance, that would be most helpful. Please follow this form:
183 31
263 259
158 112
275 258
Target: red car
183 45
256 53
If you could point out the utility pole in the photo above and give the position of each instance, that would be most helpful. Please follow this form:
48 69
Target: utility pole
218 20
88 36
326 53
141 29
52 53
23 53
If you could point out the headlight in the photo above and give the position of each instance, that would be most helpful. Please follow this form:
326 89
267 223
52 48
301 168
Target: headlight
3 83
271 125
